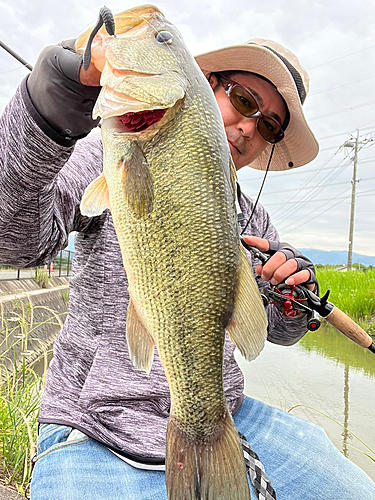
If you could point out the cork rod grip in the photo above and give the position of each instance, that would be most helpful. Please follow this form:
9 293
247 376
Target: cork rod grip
348 327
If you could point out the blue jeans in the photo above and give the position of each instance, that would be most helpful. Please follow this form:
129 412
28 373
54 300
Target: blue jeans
299 459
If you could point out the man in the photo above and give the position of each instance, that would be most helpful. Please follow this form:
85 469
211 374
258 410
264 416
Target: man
102 433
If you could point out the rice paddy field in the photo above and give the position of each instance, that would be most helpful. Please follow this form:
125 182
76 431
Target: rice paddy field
353 292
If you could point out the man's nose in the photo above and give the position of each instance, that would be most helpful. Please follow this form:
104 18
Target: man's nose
248 126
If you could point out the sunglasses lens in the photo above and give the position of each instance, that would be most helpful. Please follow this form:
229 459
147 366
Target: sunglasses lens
243 101
270 130
246 104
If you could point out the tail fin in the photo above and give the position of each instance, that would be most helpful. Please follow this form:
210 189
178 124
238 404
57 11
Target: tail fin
210 469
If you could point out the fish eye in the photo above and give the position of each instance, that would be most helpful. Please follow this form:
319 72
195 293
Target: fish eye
164 37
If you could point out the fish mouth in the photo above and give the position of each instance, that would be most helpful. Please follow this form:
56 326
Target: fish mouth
141 120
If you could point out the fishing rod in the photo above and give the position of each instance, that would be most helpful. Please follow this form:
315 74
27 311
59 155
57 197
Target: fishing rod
16 56
296 300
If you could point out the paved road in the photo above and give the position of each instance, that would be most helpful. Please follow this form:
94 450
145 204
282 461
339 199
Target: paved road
11 275
26 273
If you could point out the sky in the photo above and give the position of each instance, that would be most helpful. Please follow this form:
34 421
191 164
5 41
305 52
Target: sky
334 41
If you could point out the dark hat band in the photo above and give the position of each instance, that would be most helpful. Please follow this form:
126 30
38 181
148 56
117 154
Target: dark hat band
292 70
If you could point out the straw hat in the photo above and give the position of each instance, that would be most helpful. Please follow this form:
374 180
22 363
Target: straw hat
272 61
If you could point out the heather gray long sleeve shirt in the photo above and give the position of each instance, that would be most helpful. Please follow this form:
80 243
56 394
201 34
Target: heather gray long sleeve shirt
91 383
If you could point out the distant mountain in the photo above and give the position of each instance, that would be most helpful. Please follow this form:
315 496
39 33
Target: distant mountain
335 257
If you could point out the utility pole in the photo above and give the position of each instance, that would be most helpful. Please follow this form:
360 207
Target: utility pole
352 208
355 145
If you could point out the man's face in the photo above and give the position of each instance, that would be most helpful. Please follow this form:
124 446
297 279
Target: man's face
245 142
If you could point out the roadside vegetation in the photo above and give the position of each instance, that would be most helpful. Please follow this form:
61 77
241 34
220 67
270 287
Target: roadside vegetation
21 384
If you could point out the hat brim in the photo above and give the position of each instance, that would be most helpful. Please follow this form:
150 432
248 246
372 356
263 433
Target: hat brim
299 145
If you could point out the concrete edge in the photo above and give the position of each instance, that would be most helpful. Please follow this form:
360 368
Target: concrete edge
9 494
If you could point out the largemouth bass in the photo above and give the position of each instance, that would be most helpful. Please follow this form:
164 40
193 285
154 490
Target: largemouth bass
168 181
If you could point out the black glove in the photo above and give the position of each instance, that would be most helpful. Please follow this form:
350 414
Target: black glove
57 94
302 261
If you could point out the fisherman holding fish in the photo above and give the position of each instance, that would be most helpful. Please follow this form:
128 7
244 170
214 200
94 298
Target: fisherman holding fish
108 398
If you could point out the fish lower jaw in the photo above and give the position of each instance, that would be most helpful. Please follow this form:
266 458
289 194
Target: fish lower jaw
128 123
147 121
142 120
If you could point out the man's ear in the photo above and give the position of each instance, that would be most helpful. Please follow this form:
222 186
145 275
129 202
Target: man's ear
213 81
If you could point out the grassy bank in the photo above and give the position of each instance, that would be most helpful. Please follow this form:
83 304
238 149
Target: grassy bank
19 408
20 390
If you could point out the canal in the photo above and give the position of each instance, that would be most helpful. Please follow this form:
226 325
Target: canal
332 378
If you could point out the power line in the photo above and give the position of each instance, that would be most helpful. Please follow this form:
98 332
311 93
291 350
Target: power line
317 215
306 197
362 194
340 86
341 57
345 133
343 110
326 208
327 149
335 135
324 211
290 209
315 187
300 171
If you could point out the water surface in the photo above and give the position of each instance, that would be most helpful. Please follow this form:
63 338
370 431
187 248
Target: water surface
329 373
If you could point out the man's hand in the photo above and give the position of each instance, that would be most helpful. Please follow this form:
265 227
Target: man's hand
91 76
62 92
287 262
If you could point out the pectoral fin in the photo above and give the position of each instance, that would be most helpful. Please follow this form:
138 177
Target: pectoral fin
137 182
140 342
95 198
248 326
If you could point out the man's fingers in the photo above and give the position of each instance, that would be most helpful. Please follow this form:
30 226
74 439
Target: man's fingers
259 243
91 76
299 278
278 269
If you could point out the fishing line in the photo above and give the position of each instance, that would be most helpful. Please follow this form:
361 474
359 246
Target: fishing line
260 190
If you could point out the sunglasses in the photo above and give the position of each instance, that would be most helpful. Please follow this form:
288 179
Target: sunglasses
246 104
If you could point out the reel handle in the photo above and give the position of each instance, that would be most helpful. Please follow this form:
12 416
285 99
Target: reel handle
348 327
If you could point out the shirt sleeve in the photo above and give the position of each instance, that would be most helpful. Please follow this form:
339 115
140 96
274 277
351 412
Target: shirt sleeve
42 179
281 329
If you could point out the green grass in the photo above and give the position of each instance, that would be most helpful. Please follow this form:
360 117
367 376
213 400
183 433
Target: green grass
20 390
353 292
19 408
41 277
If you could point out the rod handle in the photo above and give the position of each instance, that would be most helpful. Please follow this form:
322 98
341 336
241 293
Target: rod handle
348 327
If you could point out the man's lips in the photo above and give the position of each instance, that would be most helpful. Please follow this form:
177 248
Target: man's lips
234 146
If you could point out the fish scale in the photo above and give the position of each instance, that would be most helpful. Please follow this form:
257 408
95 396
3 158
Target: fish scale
171 192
